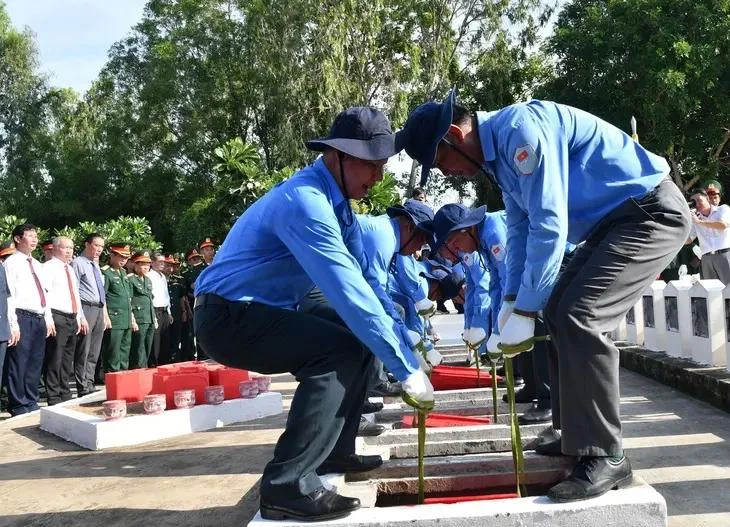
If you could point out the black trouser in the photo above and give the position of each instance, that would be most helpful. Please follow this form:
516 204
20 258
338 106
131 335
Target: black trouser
327 360
161 339
88 348
59 358
24 362
605 278
187 348
173 349
535 369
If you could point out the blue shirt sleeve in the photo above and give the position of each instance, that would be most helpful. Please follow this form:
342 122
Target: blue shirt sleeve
495 230
479 300
310 230
542 182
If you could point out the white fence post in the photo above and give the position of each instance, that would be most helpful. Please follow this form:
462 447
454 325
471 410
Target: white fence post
708 322
654 317
679 318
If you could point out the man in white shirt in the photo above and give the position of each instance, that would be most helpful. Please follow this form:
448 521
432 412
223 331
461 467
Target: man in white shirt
710 227
28 287
68 318
161 303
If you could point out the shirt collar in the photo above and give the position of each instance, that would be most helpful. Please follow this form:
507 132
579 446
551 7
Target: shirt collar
332 188
486 135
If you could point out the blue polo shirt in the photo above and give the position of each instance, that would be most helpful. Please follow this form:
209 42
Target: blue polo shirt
561 171
301 234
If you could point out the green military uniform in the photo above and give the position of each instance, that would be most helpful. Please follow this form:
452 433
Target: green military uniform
117 340
144 314
176 288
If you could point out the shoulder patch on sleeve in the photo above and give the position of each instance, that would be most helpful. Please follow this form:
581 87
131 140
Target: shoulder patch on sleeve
498 252
525 159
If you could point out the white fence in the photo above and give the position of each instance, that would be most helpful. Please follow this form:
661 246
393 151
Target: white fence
683 319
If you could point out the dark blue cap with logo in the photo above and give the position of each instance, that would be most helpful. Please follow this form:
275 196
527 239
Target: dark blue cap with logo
361 132
451 218
424 129
419 213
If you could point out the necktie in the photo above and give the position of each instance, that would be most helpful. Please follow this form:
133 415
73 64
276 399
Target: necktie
37 283
74 305
99 284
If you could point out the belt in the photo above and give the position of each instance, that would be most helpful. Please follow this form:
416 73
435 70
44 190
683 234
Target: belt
210 300
63 313
92 304
719 251
27 313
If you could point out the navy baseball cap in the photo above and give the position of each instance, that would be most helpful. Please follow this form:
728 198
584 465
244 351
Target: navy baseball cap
451 218
449 282
361 132
424 129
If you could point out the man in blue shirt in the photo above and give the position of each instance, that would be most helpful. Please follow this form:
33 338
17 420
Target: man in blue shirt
566 175
300 234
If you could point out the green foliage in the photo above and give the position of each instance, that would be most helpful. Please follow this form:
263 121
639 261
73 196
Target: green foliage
381 196
664 62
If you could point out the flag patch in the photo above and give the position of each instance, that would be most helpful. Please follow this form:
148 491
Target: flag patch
525 159
498 252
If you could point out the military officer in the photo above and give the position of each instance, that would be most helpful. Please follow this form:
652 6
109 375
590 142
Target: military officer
117 341
207 250
143 310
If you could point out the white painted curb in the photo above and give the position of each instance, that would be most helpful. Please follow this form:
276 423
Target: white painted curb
95 433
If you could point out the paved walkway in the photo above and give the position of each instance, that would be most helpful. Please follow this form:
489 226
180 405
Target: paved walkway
676 443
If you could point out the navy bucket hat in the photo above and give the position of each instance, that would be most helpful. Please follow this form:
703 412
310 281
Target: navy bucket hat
361 132
424 129
451 218
419 213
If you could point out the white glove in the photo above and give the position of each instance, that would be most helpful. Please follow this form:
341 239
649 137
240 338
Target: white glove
492 350
504 312
419 387
519 330
466 335
697 251
425 308
423 364
476 337
434 357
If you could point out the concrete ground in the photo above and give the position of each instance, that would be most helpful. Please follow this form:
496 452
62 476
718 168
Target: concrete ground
676 443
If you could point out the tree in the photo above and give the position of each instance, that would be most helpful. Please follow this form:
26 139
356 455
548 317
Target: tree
664 62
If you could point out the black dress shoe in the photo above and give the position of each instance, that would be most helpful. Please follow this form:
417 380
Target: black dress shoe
387 389
368 429
521 397
351 463
535 415
320 505
391 377
371 408
592 477
550 448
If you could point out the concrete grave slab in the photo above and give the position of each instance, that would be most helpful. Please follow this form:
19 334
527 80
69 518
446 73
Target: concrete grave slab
95 433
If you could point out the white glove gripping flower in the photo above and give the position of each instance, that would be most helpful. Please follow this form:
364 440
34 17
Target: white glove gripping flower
504 312
476 337
419 388
434 357
518 334
466 335
492 350
423 364
425 308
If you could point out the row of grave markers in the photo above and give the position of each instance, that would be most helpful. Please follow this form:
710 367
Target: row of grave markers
683 319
